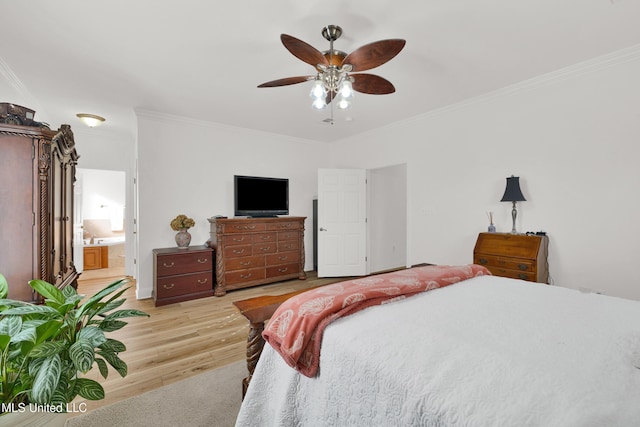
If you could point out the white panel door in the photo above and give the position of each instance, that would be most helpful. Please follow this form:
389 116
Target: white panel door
342 222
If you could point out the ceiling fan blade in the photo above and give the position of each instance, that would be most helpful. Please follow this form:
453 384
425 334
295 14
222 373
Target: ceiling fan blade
303 51
374 54
287 81
371 84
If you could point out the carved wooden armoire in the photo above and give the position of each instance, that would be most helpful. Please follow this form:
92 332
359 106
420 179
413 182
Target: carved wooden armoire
37 173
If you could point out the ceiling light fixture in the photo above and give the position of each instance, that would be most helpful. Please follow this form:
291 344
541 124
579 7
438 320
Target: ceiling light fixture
338 74
90 120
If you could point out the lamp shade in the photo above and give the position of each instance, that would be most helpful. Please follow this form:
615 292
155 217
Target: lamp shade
513 193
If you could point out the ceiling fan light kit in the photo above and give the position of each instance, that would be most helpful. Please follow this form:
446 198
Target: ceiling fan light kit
337 73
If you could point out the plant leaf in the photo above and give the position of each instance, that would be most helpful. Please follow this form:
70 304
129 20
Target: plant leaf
47 349
32 309
112 325
91 302
102 366
4 287
93 334
117 363
126 313
46 380
111 306
47 290
82 355
10 325
113 346
89 389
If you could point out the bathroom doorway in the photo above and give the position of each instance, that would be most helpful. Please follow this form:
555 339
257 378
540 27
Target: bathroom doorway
99 229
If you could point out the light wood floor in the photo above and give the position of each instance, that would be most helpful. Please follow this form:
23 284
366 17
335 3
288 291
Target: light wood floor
178 340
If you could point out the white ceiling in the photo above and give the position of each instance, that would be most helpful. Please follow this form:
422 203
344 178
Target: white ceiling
203 59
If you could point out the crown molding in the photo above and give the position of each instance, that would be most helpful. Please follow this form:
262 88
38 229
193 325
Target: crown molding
188 121
622 56
12 79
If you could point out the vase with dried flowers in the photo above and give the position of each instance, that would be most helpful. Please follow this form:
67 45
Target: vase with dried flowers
182 224
491 228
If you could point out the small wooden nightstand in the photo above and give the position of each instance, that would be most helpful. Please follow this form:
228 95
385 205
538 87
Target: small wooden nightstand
182 274
518 256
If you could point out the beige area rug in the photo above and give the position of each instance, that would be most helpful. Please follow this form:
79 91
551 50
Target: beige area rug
209 399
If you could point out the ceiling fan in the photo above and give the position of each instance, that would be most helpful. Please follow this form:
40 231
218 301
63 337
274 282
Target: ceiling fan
338 73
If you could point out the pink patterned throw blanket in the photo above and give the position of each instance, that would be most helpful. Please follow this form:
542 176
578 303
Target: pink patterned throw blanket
295 330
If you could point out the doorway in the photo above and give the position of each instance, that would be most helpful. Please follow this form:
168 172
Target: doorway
385 219
99 232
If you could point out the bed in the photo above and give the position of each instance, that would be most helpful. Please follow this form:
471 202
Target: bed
485 351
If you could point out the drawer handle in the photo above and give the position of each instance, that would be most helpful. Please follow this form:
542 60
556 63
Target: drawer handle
523 267
283 270
168 286
202 281
244 227
238 239
265 238
245 276
483 261
238 251
283 258
523 276
289 246
165 265
266 249
245 263
202 261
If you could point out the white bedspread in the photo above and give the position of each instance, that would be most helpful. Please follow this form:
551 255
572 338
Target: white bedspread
489 351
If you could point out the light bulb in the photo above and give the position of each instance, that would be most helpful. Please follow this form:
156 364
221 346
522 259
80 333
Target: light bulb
319 104
317 91
343 104
346 89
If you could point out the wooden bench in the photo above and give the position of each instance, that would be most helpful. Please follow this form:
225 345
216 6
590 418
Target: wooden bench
257 311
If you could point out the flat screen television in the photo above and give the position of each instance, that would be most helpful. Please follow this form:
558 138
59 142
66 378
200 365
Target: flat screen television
257 196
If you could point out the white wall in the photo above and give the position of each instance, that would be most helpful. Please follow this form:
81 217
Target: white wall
573 137
387 217
187 166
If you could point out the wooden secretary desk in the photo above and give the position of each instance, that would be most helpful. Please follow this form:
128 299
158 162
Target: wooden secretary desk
37 173
518 256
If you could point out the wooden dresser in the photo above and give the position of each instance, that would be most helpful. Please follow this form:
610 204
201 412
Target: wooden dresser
182 274
518 256
255 251
37 173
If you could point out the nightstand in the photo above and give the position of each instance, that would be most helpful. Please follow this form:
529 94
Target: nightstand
182 274
518 256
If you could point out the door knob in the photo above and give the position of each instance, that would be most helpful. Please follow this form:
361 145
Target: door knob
323 229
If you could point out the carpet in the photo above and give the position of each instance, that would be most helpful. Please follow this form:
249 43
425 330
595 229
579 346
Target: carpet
212 398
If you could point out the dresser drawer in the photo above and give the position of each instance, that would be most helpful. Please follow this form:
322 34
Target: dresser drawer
244 263
514 274
171 264
238 251
288 235
265 248
288 245
288 225
184 284
283 270
234 277
237 239
525 265
282 258
264 237
249 227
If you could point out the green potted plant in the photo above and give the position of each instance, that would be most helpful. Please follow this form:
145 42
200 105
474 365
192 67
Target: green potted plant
45 349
